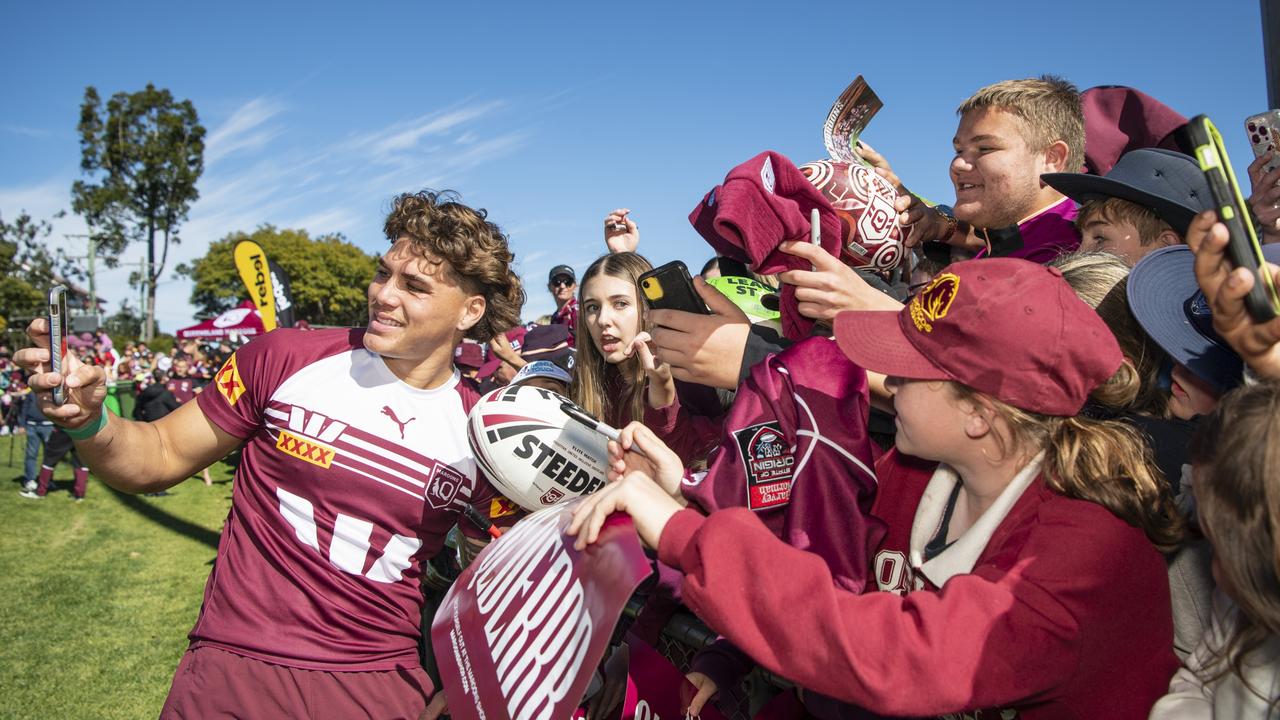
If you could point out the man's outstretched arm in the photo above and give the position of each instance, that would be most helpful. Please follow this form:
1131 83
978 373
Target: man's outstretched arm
129 456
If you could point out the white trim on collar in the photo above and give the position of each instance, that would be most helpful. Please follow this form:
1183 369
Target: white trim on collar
963 554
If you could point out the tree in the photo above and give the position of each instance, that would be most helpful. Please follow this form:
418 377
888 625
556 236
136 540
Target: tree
28 268
143 159
124 324
329 275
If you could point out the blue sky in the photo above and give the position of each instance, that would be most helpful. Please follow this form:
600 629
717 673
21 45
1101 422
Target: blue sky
551 114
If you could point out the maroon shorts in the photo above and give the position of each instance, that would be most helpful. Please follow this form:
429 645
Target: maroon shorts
212 683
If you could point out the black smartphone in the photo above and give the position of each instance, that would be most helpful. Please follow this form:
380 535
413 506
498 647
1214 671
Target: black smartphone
58 337
1263 302
670 288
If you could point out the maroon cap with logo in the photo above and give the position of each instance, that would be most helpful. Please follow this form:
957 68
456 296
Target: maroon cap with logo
1006 327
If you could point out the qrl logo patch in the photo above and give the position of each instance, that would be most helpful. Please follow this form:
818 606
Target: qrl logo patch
878 220
228 381
934 301
769 461
551 497
444 485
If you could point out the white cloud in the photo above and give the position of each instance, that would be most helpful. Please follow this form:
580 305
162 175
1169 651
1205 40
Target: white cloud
385 145
243 130
255 175
25 131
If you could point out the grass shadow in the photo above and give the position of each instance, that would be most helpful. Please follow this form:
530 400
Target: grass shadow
166 519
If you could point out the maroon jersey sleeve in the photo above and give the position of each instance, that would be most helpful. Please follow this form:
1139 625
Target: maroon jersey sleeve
242 387
237 397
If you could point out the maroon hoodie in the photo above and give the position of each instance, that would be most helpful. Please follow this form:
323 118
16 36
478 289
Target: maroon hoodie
794 451
1063 611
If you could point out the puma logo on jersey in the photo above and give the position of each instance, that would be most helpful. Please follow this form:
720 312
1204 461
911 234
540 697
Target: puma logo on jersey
386 410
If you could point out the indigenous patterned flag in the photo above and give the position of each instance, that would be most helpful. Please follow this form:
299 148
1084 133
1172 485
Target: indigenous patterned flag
523 628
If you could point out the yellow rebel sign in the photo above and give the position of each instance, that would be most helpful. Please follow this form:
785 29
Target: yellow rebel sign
251 262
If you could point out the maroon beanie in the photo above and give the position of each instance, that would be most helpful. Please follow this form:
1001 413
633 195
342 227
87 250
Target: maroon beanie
762 203
1118 119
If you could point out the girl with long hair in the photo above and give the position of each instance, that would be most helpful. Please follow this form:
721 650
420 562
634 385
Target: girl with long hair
1235 671
609 376
617 378
1021 569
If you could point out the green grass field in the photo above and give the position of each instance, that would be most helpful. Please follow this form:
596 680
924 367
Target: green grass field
98 596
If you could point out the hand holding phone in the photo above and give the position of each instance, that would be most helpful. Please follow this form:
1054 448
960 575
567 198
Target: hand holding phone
671 288
58 338
1264 136
1243 248
1263 130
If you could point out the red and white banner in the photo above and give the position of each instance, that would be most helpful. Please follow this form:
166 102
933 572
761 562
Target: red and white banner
523 628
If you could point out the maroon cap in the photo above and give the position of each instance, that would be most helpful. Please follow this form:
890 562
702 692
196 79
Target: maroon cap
469 353
1007 327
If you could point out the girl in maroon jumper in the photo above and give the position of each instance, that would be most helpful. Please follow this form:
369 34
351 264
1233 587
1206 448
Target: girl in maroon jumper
1020 571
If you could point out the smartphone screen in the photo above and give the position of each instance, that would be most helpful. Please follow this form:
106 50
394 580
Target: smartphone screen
58 336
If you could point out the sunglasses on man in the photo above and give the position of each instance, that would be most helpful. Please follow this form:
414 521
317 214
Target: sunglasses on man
561 281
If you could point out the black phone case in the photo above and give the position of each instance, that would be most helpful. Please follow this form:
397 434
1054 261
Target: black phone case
1242 247
670 288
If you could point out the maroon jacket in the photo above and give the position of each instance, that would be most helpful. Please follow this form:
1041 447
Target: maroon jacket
795 451
1065 613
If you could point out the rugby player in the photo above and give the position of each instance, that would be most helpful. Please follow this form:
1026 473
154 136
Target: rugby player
355 467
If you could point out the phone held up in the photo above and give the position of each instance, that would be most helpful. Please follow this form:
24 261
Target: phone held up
1264 135
1243 248
58 337
670 288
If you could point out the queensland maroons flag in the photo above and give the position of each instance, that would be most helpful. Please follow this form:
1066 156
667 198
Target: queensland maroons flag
523 628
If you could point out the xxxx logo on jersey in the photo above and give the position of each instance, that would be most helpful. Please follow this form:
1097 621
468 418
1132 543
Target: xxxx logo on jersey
304 449
228 381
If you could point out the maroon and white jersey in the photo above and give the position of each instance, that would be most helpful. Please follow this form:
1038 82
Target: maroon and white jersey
183 388
348 480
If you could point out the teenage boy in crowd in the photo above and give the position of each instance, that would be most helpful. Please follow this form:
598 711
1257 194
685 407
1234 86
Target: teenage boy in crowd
355 466
1142 204
1010 133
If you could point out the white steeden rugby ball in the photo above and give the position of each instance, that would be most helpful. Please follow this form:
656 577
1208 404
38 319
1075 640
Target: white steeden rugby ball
532 451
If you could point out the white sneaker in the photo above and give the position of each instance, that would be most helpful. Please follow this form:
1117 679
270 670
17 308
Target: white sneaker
30 494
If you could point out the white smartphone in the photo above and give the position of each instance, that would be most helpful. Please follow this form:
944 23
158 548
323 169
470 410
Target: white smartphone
1264 135
58 337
